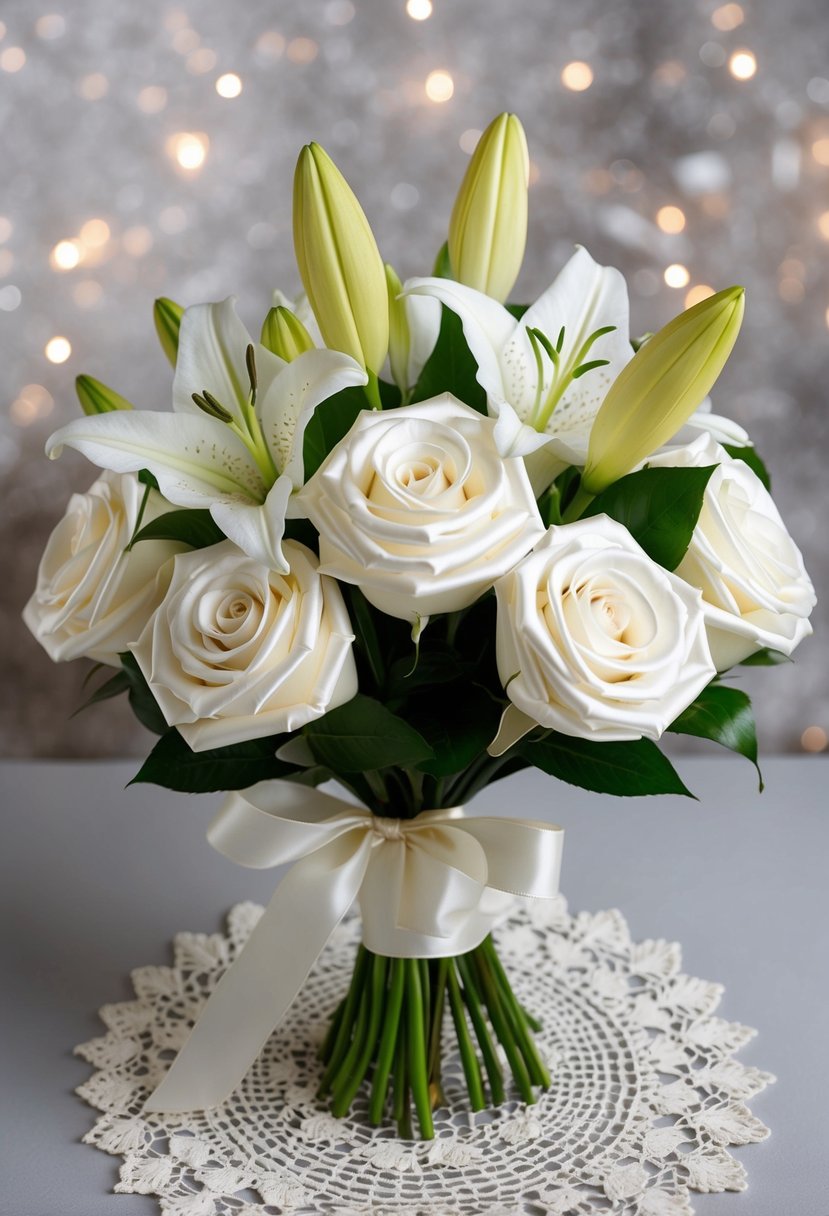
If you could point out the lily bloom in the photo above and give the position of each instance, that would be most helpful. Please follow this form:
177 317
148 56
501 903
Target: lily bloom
233 441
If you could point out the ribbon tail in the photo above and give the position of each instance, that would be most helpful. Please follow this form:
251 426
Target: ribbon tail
254 994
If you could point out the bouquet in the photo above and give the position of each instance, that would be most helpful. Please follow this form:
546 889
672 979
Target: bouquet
412 539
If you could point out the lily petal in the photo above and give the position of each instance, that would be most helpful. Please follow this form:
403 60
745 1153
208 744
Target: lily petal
487 326
258 529
212 347
196 460
286 408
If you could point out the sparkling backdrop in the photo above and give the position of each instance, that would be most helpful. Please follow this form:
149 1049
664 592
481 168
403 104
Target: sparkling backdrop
149 149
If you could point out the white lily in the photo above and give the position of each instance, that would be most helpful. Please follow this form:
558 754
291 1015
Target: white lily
545 375
233 442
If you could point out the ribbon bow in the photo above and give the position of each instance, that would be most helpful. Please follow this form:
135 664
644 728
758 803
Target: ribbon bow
428 887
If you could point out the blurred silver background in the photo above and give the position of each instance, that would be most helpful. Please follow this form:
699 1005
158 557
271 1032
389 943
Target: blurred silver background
149 149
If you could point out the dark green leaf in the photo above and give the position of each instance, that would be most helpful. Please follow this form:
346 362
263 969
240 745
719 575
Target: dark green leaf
191 527
331 420
442 268
389 394
659 507
516 310
749 456
174 765
451 367
113 687
142 702
766 658
625 769
724 715
364 735
458 726
437 663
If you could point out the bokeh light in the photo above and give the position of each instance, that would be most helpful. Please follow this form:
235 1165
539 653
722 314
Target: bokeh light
439 86
58 349
677 275
577 76
229 85
671 219
419 10
742 65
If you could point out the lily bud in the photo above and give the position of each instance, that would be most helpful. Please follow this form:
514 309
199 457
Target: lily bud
283 334
399 336
658 390
339 263
167 316
488 228
97 398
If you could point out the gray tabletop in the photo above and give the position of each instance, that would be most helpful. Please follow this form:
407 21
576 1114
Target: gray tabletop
95 881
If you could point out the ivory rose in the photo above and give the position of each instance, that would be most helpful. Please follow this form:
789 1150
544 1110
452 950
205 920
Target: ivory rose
595 640
92 596
755 589
237 651
418 509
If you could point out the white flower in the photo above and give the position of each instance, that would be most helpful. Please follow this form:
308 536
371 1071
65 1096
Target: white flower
237 651
596 640
242 459
755 589
417 508
92 597
537 401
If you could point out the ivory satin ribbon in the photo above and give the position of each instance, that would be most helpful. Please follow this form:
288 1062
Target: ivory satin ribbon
428 887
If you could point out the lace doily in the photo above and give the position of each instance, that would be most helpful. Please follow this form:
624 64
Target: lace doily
646 1095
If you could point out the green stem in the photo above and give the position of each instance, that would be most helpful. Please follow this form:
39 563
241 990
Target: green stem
415 1026
343 1037
578 506
502 1028
471 1067
536 1066
346 1070
346 1090
388 1041
476 1015
372 391
401 1108
436 1033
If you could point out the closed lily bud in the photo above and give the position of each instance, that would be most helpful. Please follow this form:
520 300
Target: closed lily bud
339 263
283 334
658 390
167 316
97 398
399 336
488 228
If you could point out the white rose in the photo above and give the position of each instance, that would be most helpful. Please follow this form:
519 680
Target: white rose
237 651
417 507
754 585
596 640
92 598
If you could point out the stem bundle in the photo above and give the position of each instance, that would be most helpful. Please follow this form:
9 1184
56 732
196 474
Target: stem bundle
388 1029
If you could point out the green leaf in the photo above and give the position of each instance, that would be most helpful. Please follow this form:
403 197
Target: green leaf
167 316
766 658
625 769
147 479
173 764
724 715
363 734
142 702
191 527
457 725
451 367
749 456
331 420
659 507
437 663
113 687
